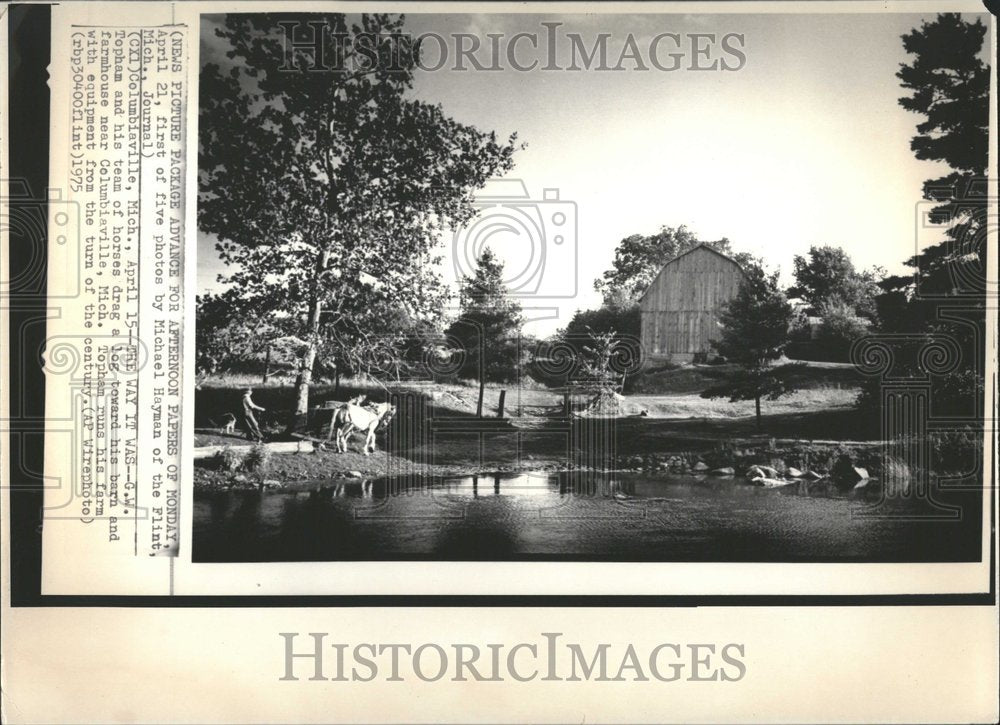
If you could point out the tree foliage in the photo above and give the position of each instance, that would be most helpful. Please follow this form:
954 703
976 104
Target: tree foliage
621 325
597 361
948 85
828 277
639 258
327 190
488 329
840 329
755 325
226 335
624 322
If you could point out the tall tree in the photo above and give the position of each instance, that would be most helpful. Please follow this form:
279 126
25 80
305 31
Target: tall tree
828 278
327 189
755 326
639 258
949 86
489 326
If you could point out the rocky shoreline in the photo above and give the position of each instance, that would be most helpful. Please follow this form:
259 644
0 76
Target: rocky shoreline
762 463
841 462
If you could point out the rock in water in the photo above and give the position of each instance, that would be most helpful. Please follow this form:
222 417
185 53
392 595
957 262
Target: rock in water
759 471
845 472
727 471
700 466
815 475
772 482
794 472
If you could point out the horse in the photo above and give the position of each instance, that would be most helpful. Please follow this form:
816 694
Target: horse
349 417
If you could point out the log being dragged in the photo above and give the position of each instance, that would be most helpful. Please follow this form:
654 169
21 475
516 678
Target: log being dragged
277 447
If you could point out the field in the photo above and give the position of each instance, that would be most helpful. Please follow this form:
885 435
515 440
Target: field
667 415
668 394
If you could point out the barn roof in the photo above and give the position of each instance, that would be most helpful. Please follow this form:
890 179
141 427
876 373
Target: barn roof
701 245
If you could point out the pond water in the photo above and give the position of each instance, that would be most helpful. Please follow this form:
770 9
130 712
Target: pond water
579 516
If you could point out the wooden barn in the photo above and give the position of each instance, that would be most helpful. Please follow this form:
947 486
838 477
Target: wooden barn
680 309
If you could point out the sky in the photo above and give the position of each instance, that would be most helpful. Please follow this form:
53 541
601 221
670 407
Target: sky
804 145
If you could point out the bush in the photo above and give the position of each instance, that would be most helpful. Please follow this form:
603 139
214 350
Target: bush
229 459
839 329
954 394
959 450
257 459
563 357
800 330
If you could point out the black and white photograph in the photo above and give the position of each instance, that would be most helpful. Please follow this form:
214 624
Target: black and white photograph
489 362
591 287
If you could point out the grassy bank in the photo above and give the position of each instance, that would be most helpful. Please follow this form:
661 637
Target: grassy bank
538 435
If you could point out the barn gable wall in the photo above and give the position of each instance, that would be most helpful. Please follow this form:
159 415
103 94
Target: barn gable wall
680 310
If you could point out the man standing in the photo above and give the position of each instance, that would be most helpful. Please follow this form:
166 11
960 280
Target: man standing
248 415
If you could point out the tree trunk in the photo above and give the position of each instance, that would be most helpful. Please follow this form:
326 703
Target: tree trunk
304 379
482 392
267 366
336 382
757 405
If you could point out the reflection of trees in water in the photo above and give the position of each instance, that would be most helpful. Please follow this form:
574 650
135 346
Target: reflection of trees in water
573 483
593 484
593 444
584 484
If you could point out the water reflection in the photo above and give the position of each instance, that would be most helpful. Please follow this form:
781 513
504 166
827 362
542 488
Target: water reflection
575 515
586 484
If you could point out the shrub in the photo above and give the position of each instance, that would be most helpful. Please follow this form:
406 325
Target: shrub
257 459
958 450
229 459
839 329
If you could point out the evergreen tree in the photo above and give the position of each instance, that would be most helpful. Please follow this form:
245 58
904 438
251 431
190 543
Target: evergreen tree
755 325
949 85
488 329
